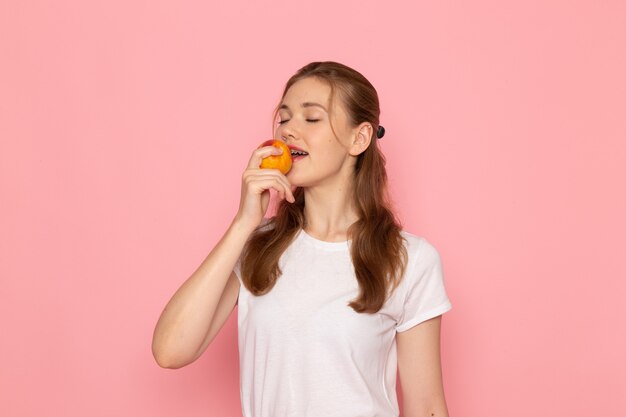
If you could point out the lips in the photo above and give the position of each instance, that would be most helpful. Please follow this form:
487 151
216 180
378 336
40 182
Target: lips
295 148
295 151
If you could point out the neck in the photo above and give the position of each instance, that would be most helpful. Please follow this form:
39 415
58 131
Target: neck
329 211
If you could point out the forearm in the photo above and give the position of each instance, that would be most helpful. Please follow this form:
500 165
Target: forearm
185 320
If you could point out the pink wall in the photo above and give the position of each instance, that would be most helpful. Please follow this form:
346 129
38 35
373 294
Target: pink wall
125 126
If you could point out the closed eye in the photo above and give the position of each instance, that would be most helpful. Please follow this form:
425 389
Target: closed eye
308 120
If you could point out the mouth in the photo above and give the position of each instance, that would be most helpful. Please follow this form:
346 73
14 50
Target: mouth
297 153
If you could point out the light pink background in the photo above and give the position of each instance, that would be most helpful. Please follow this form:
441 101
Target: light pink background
125 127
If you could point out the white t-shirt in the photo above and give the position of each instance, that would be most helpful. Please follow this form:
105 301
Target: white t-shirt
305 353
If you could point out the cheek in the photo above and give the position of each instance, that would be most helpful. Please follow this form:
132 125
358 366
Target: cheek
333 157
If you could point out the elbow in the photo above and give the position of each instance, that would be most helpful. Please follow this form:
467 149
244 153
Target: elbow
168 360
429 407
165 362
427 412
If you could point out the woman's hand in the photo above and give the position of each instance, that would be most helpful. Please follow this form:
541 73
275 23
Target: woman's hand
255 187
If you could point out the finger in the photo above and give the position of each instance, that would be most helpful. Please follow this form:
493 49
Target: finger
276 182
260 153
275 173
273 185
268 173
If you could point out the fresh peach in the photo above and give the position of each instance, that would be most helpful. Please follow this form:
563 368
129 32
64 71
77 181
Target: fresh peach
281 162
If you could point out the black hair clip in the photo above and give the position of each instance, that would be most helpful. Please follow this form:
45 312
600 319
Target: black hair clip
380 132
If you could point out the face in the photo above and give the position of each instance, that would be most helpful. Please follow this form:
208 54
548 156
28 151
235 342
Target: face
304 122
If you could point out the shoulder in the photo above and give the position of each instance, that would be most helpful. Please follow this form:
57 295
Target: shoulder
419 249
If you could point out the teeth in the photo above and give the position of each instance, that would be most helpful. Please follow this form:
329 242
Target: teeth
294 152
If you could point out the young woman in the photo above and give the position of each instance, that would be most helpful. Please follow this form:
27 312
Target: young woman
334 298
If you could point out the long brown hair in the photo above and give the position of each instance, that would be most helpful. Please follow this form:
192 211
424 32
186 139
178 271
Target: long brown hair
378 253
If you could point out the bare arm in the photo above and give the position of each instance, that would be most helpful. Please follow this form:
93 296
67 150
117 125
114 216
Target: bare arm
199 308
419 367
183 325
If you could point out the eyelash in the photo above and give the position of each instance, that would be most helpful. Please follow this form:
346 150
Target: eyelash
308 120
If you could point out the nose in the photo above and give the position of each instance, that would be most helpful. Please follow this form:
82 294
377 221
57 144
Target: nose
287 132
287 137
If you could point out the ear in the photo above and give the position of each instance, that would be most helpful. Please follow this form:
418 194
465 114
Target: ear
361 139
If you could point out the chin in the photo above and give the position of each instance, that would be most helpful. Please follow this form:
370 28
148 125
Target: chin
299 182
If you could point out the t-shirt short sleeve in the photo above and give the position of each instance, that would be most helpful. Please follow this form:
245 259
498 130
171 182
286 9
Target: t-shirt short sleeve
425 294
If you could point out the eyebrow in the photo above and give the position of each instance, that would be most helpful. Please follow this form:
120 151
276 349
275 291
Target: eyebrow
305 104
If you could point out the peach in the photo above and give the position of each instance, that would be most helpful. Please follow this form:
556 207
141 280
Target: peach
281 162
